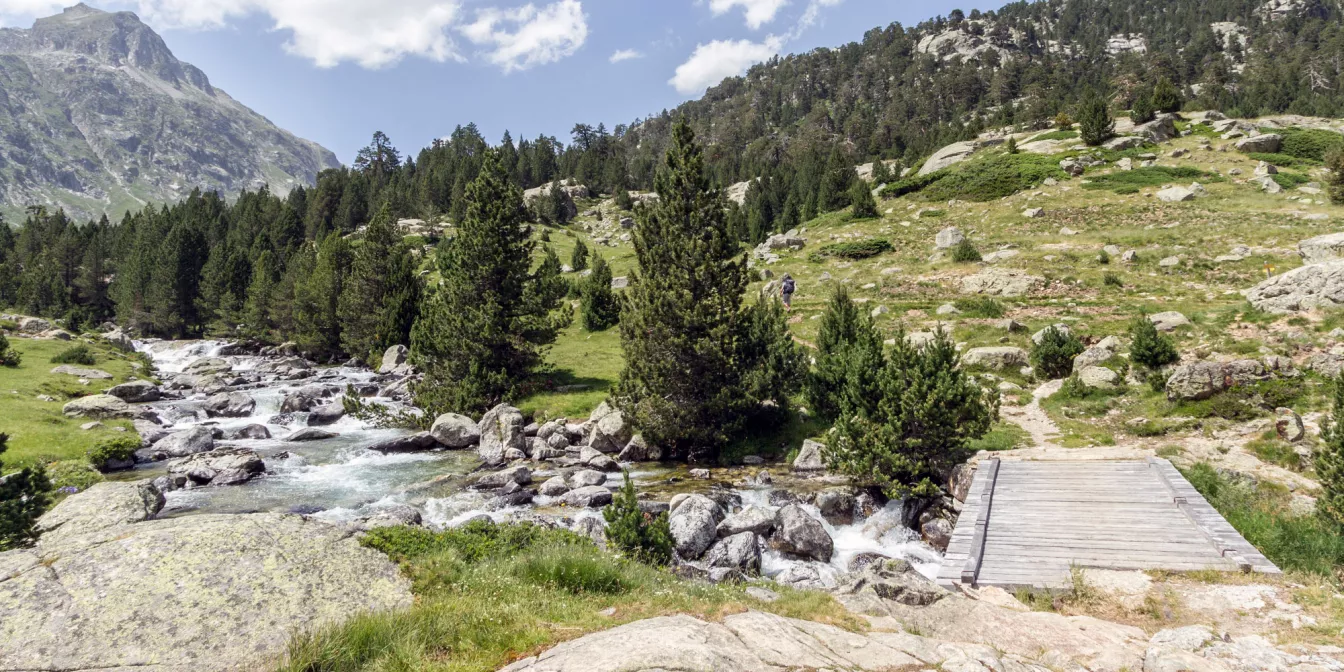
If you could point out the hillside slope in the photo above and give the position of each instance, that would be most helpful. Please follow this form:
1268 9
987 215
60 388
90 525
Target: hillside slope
96 114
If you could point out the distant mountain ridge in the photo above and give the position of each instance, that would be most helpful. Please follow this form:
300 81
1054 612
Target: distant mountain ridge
97 115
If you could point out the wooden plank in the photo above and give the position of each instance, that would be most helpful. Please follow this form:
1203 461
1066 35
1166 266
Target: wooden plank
986 490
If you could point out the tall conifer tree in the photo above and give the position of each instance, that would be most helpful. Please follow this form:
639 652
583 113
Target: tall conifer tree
378 301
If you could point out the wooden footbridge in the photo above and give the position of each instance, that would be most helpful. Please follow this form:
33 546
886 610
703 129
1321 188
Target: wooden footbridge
1026 524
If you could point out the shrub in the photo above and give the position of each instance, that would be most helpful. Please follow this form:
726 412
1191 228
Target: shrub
993 177
1110 279
579 259
965 252
1143 111
24 496
1053 356
639 535
624 201
1055 135
597 302
862 203
1330 462
1166 97
75 354
71 476
980 306
9 356
1095 123
849 351
1150 348
115 449
1010 146
1063 121
1309 143
471 543
1104 258
545 236
1289 180
1335 186
1157 381
861 249
1282 160
913 422
1153 176
1073 388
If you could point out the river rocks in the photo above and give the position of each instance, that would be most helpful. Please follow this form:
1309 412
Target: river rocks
997 358
750 519
248 432
597 460
1288 425
836 506
1001 282
810 457
608 431
520 475
501 429
740 551
1269 143
894 580
86 374
227 466
592 496
136 391
394 515
205 593
694 523
207 365
455 431
948 238
229 405
1320 249
326 414
937 533
586 478
394 357
98 406
638 450
184 442
413 443
800 534
1301 289
302 399
554 487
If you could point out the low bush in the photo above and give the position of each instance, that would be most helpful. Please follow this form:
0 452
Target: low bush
965 253
1053 356
639 535
1289 180
1150 348
1055 135
1110 279
8 356
71 476
1308 143
861 249
1283 160
1153 176
116 449
981 179
75 354
1262 513
980 306
1335 185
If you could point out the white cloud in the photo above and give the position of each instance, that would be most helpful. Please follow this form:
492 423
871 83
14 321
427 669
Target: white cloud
521 38
625 55
16 12
757 12
713 62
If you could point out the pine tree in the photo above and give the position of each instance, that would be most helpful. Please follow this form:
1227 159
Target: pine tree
1053 356
790 218
1329 462
911 427
833 194
578 260
484 329
638 535
380 298
881 173
1095 124
773 367
597 302
319 323
849 353
260 294
1334 161
24 496
1149 348
862 203
9 357
1010 147
1166 97
685 382
174 286
1143 110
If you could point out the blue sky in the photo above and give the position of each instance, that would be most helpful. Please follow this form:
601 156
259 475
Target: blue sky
334 71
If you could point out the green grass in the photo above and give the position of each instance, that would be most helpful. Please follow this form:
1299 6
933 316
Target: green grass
578 357
1129 181
860 249
487 595
1270 448
1002 436
1289 180
1284 160
38 431
1308 143
1261 514
1054 135
986 178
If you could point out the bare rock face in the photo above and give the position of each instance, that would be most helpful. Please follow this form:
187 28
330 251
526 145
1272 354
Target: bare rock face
1301 289
110 587
1320 249
98 406
95 91
232 466
1001 282
501 429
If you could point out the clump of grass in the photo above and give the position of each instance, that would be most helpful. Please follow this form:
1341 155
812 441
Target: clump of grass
75 354
861 249
70 476
1270 448
980 306
965 253
1283 160
1003 436
1110 279
1261 513
1289 180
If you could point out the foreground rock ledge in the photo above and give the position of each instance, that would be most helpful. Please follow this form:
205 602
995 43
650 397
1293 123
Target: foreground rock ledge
201 593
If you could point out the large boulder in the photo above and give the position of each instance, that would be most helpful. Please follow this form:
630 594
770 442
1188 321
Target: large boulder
98 407
996 358
393 358
110 588
1175 195
1269 143
948 156
310 434
893 580
412 443
810 457
800 534
740 551
455 431
607 429
1301 289
750 519
86 374
836 506
501 429
1169 320
327 414
591 496
1320 249
694 524
520 475
1200 380
1161 129
185 442
1099 378
1001 282
229 466
120 340
136 391
229 405
304 399
948 238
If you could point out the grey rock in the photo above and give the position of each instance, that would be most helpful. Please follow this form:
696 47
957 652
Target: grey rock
520 475
694 523
810 457
1001 282
554 487
455 431
248 432
740 551
185 442
893 580
1288 425
638 450
87 374
798 533
587 477
597 460
1269 143
395 515
326 414
501 429
1320 249
948 238
136 391
413 443
836 506
1176 195
229 405
937 533
228 466
996 358
750 519
98 406
1099 378
947 156
1196 381
1169 320
1161 129
593 496
608 430
311 434
394 357
1301 289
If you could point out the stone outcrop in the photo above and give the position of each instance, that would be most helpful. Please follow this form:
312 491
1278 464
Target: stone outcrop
109 587
98 407
1269 143
184 442
136 391
1200 380
949 156
810 457
1001 282
231 466
800 534
1321 249
694 522
229 405
996 358
1301 289
455 431
608 431
501 430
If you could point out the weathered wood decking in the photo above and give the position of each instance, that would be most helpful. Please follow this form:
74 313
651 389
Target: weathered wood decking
1026 523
